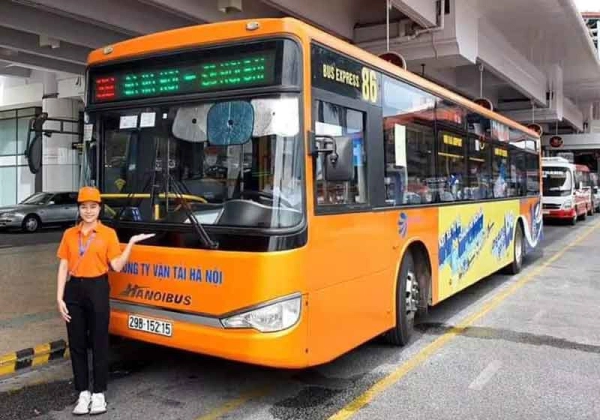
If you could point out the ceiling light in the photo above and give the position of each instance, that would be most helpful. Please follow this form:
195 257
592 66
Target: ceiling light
46 41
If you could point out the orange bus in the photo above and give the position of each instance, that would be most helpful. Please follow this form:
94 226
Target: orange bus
306 195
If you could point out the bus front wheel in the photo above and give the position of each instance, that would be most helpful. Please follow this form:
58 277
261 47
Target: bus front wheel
407 300
574 219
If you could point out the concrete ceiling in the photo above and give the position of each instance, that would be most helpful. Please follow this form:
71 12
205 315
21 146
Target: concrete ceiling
549 32
57 35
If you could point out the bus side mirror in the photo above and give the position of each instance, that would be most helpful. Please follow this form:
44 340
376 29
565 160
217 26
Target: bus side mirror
33 148
339 154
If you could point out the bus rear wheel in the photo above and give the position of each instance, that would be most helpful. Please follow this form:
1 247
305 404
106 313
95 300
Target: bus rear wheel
519 251
407 300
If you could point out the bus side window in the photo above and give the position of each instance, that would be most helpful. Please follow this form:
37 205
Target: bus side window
451 167
500 172
519 164
533 174
408 120
336 120
479 167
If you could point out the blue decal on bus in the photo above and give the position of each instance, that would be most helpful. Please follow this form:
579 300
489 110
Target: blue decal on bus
403 224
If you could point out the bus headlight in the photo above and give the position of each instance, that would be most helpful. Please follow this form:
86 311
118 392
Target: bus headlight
270 318
567 204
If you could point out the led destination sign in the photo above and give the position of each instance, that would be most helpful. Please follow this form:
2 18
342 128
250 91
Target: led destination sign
232 72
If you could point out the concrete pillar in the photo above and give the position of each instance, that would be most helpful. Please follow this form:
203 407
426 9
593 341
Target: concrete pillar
50 85
555 87
60 163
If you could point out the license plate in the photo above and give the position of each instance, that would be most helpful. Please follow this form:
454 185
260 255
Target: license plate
546 212
153 326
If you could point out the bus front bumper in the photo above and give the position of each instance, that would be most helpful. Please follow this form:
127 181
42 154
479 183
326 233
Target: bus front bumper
559 214
282 349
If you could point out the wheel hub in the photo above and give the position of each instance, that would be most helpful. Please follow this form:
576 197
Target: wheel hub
412 294
31 224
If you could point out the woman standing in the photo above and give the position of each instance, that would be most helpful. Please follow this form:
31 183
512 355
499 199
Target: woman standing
86 252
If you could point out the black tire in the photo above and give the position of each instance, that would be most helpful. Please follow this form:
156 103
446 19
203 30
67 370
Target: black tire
405 319
573 221
519 251
31 223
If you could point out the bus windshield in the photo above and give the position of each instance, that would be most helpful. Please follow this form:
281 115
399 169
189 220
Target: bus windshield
234 163
557 181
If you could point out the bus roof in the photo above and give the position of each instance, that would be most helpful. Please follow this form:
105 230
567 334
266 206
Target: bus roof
231 31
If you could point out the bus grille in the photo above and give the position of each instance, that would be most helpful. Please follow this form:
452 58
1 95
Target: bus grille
551 206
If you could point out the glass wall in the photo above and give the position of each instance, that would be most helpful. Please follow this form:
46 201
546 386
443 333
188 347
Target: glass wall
16 180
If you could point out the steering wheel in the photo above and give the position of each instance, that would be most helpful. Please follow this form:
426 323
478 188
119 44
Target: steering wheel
265 196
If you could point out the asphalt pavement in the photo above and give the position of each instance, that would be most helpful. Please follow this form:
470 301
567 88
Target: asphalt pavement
13 238
521 347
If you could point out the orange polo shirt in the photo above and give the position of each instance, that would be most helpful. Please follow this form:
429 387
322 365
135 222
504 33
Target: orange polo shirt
96 260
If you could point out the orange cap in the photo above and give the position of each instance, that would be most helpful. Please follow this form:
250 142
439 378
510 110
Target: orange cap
89 194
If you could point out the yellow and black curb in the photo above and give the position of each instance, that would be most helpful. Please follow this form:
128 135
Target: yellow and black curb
33 356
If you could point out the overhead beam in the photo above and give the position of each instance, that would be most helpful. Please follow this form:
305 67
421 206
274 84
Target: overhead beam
421 11
470 76
206 11
332 16
15 71
36 62
32 20
128 16
28 42
505 62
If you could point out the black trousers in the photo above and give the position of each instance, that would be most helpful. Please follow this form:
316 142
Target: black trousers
87 300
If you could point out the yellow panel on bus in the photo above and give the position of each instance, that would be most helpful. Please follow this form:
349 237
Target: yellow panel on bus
474 241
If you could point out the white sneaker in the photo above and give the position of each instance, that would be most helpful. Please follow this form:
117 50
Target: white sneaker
98 404
83 404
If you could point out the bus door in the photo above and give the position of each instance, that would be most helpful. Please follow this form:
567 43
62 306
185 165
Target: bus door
350 243
348 204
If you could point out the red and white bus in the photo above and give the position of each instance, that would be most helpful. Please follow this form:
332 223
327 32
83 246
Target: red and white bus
566 190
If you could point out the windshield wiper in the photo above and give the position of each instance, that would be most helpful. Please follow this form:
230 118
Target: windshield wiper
204 237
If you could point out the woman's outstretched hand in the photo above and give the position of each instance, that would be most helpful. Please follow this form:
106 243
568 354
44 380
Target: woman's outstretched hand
141 237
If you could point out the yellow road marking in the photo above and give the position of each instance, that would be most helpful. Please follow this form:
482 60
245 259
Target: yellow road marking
234 404
368 396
